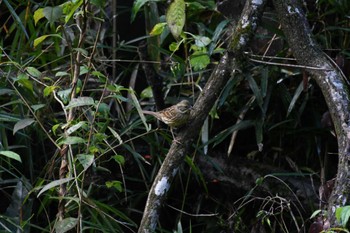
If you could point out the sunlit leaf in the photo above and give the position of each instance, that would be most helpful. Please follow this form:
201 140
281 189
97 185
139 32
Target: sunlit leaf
38 14
119 159
147 92
199 60
115 184
71 8
23 80
48 90
40 39
175 17
22 124
11 155
158 29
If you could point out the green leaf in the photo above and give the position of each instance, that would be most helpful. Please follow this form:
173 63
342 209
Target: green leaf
343 214
115 134
174 46
158 29
80 101
17 18
139 110
53 184
64 95
11 155
6 91
38 14
296 95
71 8
33 72
256 90
86 160
65 225
61 74
71 140
315 213
23 80
36 107
175 17
119 159
202 41
53 14
115 184
199 60
136 8
22 124
48 90
147 93
75 127
40 39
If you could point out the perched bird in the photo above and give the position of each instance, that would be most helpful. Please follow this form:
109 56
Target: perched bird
174 116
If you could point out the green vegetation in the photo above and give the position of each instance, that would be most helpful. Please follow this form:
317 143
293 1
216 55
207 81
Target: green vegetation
77 154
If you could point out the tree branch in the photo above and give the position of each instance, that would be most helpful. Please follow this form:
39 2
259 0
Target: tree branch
333 87
229 63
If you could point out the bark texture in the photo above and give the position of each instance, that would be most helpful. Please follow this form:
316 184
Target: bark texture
332 84
228 64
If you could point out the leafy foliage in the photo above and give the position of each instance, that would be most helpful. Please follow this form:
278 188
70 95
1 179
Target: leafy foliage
73 133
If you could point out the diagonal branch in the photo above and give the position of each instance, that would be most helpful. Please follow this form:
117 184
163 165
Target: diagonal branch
229 63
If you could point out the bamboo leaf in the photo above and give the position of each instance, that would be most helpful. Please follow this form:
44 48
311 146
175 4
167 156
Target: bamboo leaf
54 184
80 102
11 155
296 95
22 124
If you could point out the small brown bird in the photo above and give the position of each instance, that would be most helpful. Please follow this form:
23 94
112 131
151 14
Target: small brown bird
174 116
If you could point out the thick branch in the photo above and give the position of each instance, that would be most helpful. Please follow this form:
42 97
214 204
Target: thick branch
218 79
333 86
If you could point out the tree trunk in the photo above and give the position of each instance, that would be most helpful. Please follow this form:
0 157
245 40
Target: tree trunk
229 63
333 87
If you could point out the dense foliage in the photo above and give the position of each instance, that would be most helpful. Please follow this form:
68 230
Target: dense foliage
77 153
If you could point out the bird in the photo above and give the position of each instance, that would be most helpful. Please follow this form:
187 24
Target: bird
175 116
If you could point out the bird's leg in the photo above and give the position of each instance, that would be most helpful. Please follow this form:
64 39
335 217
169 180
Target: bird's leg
174 139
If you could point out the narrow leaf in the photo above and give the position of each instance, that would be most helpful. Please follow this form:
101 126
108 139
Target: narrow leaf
32 71
297 93
80 101
22 124
72 141
11 155
54 184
